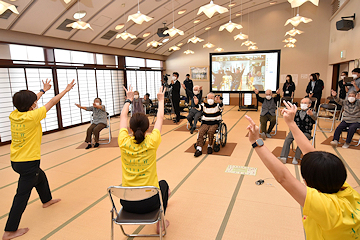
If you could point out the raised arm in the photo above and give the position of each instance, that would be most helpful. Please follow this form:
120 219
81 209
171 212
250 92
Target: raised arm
300 138
57 98
46 88
336 98
160 113
294 187
258 98
125 110
81 107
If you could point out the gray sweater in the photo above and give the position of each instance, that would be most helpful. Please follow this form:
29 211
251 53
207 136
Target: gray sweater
99 115
268 106
351 110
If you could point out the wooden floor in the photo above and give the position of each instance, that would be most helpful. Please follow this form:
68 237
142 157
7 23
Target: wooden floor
206 202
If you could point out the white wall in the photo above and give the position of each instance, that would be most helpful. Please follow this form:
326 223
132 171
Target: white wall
267 30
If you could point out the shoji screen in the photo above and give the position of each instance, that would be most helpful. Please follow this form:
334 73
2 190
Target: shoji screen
105 91
118 91
88 91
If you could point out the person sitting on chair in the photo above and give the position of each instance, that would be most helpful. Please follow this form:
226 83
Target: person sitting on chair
304 119
194 114
209 121
351 118
268 109
137 104
99 121
138 156
147 102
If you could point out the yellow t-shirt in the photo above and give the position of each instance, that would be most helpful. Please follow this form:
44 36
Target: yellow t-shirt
332 216
26 134
139 160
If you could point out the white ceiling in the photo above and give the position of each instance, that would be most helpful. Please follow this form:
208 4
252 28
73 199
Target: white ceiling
42 17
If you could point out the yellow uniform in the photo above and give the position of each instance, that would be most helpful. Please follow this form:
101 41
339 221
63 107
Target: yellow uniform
332 216
139 160
26 134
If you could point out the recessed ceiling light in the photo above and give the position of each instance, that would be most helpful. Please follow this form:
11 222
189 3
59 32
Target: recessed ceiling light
79 14
231 5
181 11
197 20
120 26
272 3
146 34
180 44
165 40
238 14
207 28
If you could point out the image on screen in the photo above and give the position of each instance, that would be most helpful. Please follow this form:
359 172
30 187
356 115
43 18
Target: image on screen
244 71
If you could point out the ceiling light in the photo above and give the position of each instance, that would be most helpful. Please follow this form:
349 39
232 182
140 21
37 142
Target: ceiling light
138 17
211 8
293 32
181 11
253 47
79 25
241 36
79 14
154 44
272 3
189 52
5 6
297 20
120 26
248 43
290 45
232 4
125 35
146 34
290 40
238 14
230 26
195 39
207 28
67 1
219 49
173 31
208 45
180 44
165 40
298 3
174 48
197 20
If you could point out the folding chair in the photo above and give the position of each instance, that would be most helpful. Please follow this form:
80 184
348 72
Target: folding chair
347 129
108 126
125 218
328 111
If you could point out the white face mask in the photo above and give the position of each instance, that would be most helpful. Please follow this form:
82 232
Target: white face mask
351 99
196 92
268 97
342 77
136 96
173 78
303 106
354 76
97 104
210 101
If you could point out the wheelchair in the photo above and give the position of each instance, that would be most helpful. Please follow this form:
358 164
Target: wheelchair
220 137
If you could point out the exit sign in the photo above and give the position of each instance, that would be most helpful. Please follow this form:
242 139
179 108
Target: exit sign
343 54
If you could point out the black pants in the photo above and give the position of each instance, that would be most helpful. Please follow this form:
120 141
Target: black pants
30 176
176 105
188 97
150 204
342 126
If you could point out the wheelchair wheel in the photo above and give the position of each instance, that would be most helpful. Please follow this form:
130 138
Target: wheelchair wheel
223 135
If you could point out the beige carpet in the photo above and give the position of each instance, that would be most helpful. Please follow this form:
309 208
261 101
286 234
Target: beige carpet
277 152
224 151
327 142
279 135
113 143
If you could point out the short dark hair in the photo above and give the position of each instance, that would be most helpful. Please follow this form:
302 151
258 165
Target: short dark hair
23 100
176 73
98 99
147 94
188 75
346 73
317 74
139 124
314 76
290 77
357 70
323 171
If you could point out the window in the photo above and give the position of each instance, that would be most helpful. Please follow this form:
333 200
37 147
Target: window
21 52
134 62
88 91
67 56
144 82
118 91
153 63
105 91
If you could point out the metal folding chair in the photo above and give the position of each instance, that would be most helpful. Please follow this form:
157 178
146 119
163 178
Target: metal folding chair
327 111
108 126
347 129
125 218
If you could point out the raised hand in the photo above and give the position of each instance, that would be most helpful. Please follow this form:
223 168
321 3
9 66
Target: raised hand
253 130
70 85
129 93
161 93
309 112
172 81
196 100
78 105
200 88
183 85
289 112
46 84
217 99
333 93
256 91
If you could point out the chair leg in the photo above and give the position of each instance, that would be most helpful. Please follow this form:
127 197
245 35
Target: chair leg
112 224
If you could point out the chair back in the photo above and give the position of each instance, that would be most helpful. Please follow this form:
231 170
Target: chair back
133 193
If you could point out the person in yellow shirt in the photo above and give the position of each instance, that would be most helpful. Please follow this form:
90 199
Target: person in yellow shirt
138 155
331 207
26 134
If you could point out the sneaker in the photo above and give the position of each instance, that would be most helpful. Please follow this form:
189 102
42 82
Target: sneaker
210 150
96 145
268 135
282 159
294 161
263 136
198 153
334 143
346 145
192 130
88 146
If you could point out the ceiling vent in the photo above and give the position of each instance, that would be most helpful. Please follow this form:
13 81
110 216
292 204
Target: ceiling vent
109 35
7 14
63 27
137 41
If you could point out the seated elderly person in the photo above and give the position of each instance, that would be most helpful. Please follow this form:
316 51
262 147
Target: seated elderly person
209 121
147 102
267 111
194 114
351 118
304 119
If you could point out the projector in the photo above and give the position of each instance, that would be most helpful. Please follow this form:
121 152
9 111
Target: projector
160 31
344 25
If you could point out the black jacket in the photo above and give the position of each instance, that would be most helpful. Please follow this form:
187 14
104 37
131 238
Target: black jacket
175 91
317 91
288 87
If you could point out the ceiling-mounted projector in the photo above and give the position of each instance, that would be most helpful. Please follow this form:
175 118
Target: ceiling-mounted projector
345 25
160 31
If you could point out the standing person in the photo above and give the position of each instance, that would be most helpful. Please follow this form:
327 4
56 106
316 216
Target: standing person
356 82
99 121
237 78
175 92
194 114
314 88
289 87
147 102
189 85
25 154
138 156
342 85
137 104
